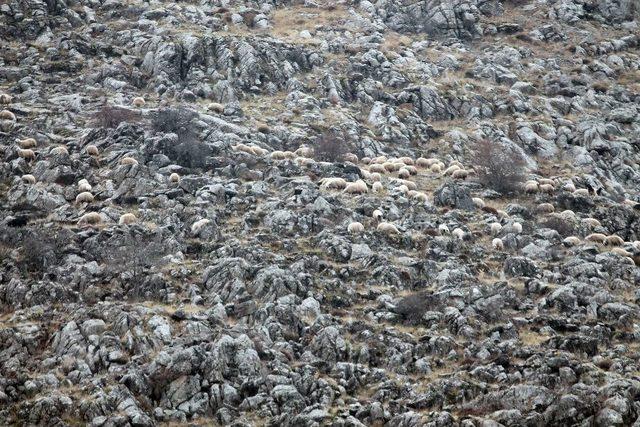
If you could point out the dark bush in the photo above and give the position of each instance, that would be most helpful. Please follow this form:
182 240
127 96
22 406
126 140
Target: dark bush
412 307
132 253
110 117
330 147
174 120
499 167
39 248
563 227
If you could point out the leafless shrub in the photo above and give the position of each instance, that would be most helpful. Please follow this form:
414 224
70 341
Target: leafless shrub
110 116
412 307
499 167
330 147
174 120
39 248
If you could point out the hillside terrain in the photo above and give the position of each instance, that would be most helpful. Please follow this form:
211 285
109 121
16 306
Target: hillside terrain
320 213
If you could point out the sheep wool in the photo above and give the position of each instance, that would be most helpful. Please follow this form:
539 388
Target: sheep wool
460 174
377 168
458 233
531 187
620 251
435 168
497 244
90 218
333 183
138 101
545 208
571 241
92 150
614 240
126 219
357 187
27 154
174 177
387 228
28 179
496 227
27 143
350 157
84 186
60 150
404 173
377 187
596 237
278 155
7 115
590 222
355 227
5 98
581 192
197 226
128 161
84 197
478 202
215 107
377 214
443 229
547 188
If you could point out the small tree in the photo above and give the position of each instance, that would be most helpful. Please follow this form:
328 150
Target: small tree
499 167
329 147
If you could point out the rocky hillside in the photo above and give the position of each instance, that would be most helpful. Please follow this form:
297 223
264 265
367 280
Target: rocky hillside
342 213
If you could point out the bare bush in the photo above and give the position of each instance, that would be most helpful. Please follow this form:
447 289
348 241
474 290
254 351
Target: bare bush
498 166
132 254
189 151
110 117
39 248
413 307
174 120
330 147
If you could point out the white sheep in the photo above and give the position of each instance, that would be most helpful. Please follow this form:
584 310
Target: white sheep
375 176
409 184
590 222
569 187
391 167
401 189
377 168
126 219
28 179
92 150
516 228
458 233
412 169
7 115
174 177
404 173
138 101
366 160
379 159
84 186
571 241
421 197
259 151
365 173
304 161
278 155
5 98
407 161
289 155
545 208
197 226
614 240
620 251
547 188
451 169
496 228
27 154
355 227
377 187
333 183
478 202
350 157
128 161
497 244
388 228
460 174
28 143
84 197
546 181
90 218
568 214
503 214
531 187
596 237
377 214
59 151
357 187
215 107
581 192
443 229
